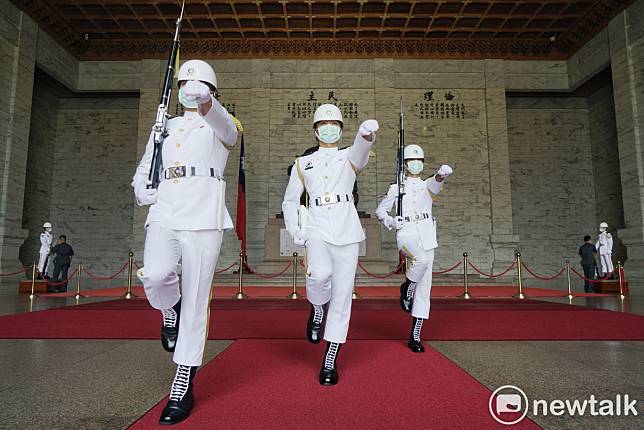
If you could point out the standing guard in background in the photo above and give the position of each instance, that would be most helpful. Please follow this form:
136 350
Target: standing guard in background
186 223
330 229
604 246
416 236
46 239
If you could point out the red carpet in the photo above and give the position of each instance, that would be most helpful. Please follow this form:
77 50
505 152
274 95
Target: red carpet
272 384
367 291
450 319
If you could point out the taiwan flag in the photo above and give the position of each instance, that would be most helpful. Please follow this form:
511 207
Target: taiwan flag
240 226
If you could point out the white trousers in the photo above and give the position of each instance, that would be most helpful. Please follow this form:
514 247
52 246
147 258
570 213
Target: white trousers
420 272
607 263
198 252
330 277
42 260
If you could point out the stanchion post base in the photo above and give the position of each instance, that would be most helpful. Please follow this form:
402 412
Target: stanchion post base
129 295
294 296
519 296
465 296
355 295
240 296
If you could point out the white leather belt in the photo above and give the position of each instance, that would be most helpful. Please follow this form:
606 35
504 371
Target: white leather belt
417 217
331 199
176 172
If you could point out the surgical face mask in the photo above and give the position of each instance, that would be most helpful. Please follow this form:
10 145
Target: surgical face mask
48 229
602 229
328 133
415 167
189 104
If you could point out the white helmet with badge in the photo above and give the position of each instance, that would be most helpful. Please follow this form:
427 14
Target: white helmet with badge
327 112
46 225
197 70
413 151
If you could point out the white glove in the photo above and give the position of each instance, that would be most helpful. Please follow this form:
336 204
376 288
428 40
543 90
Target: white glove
398 222
198 91
388 222
368 127
444 171
144 195
299 237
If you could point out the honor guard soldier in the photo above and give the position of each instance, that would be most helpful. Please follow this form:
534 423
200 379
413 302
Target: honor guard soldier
330 228
416 236
604 246
186 222
46 239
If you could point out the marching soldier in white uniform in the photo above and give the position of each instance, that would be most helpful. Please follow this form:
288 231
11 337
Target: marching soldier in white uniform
186 223
46 239
416 236
604 247
330 228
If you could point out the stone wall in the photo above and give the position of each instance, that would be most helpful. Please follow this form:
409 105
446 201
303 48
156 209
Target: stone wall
92 199
553 196
40 167
606 172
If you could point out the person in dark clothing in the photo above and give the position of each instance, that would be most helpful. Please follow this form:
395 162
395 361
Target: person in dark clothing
63 253
588 252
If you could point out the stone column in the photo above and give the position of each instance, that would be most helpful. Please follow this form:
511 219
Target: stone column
152 72
626 38
18 35
503 241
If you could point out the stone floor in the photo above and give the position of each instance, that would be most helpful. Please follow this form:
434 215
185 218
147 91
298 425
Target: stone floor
83 378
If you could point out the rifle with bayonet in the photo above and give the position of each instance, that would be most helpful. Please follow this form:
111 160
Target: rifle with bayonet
159 130
400 173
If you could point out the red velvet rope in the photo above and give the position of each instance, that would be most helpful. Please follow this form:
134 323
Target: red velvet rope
226 269
274 275
106 278
543 278
592 281
373 275
442 272
489 275
56 284
24 269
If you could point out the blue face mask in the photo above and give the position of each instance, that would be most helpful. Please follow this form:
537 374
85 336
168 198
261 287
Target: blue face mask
415 167
190 104
328 133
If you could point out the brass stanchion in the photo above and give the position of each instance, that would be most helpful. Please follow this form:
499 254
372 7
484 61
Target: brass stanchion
130 264
78 282
620 273
33 282
519 294
354 294
294 295
569 295
240 294
466 294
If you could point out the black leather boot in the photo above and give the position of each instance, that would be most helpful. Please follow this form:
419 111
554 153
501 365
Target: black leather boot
181 399
170 327
406 295
415 344
329 371
314 324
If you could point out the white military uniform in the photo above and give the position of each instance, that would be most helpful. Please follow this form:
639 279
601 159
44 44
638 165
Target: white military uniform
604 246
187 222
417 238
333 231
46 239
